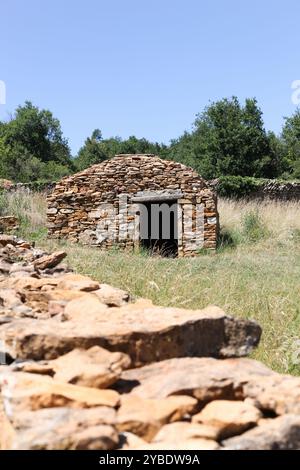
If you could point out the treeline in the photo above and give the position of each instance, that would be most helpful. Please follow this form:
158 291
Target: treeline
227 139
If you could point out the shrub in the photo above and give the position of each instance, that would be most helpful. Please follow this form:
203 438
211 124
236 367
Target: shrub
253 228
237 186
228 238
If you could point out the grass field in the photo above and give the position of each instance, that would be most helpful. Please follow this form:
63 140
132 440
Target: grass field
254 274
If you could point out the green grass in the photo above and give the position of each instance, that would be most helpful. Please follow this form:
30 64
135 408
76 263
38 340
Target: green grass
259 283
255 273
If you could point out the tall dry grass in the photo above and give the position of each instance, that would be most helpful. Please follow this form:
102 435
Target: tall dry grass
281 219
255 272
29 208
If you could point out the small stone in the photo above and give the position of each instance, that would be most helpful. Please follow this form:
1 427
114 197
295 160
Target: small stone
52 210
228 417
7 239
85 308
128 440
10 298
59 429
56 307
49 261
21 267
184 430
96 367
77 282
145 417
4 267
24 391
112 296
25 245
282 433
189 444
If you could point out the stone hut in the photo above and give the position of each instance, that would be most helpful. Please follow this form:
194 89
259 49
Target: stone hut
133 201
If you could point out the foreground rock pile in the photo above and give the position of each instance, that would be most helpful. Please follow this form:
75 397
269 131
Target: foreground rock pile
86 367
8 223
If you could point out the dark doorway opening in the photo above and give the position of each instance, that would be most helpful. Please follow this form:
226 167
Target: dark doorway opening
159 227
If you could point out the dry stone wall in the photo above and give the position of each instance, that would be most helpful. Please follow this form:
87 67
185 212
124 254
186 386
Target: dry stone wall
85 366
284 191
104 199
266 189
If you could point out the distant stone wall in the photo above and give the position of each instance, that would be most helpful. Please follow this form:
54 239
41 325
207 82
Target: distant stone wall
42 186
268 189
85 207
287 191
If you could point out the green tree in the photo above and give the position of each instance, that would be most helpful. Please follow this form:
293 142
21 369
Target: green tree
228 139
135 145
38 132
96 149
279 159
92 151
291 144
4 156
182 150
32 138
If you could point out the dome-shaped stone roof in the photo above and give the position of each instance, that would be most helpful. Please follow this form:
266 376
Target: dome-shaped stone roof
125 170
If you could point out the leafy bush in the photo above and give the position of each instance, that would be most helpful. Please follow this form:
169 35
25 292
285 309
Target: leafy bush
228 238
237 186
253 228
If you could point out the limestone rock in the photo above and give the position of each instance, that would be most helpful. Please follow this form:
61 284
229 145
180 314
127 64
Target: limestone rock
8 223
59 429
77 282
85 309
112 296
10 298
206 379
184 430
210 379
189 444
95 367
24 392
146 334
282 433
145 417
228 417
7 239
49 261
28 283
21 267
66 295
279 393
56 307
4 267
128 440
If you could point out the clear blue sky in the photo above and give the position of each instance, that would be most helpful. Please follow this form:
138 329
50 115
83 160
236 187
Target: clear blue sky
147 67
